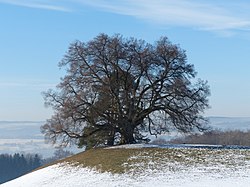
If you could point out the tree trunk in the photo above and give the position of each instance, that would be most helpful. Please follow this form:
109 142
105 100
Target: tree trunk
111 138
127 135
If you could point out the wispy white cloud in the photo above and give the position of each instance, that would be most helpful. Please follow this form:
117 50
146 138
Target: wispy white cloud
31 84
199 14
225 16
48 5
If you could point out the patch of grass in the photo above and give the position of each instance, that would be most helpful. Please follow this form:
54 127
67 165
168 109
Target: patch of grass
103 159
120 160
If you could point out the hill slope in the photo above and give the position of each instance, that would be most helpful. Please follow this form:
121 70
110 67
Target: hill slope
140 166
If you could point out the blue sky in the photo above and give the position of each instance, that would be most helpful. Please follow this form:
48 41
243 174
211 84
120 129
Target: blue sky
35 34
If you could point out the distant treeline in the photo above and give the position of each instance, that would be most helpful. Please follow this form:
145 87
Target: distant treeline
214 137
217 137
13 166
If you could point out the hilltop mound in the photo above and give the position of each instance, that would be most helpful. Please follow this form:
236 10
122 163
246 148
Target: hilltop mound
144 166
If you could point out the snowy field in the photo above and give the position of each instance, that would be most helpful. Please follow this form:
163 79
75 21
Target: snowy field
182 167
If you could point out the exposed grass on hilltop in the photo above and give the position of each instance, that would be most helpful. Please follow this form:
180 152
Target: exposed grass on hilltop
140 159
103 159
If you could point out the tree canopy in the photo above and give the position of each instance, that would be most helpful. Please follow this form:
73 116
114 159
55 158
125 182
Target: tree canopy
121 90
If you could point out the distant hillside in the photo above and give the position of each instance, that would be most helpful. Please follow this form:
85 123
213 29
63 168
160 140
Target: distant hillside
230 123
139 166
20 129
24 137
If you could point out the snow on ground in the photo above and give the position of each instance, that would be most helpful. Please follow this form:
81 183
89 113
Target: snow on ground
198 146
69 176
229 168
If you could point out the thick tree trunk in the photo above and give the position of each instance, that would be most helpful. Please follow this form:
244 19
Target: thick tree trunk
127 135
111 139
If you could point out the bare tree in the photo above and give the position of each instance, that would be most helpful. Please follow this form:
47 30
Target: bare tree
118 90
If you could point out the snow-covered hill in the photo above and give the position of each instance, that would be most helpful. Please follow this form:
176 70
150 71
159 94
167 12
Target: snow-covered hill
145 167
